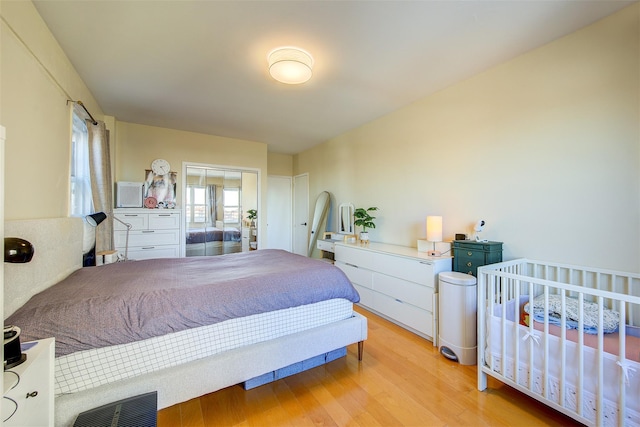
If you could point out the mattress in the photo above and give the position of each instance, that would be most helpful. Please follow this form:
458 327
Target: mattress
90 368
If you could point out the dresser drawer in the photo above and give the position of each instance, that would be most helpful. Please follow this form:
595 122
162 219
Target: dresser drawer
366 295
472 255
356 275
150 252
325 245
404 268
478 246
164 220
412 270
468 260
403 312
147 238
137 221
419 295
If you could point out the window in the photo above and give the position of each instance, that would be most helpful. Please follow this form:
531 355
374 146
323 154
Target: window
231 202
81 200
196 204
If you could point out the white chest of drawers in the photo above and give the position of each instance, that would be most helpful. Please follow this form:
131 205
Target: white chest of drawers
397 282
154 233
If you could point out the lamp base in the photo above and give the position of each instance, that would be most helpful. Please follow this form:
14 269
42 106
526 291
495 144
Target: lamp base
16 362
434 253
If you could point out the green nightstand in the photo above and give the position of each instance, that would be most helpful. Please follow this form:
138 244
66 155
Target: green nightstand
468 255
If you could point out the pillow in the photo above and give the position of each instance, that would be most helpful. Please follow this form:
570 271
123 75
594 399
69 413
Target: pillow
611 318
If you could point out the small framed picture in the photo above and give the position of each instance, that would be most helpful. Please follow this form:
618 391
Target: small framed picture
161 189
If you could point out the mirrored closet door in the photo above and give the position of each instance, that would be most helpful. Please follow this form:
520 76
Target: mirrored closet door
217 201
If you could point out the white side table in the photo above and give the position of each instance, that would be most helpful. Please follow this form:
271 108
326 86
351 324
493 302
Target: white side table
32 388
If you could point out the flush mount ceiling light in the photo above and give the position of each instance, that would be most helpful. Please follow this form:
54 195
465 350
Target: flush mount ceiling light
290 65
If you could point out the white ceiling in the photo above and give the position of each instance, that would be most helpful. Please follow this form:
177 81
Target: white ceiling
201 66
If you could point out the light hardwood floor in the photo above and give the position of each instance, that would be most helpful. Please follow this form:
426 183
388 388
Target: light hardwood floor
402 381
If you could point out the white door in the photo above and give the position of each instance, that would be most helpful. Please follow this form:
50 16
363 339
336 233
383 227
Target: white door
279 212
301 214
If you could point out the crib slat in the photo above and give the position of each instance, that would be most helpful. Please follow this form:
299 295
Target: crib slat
480 307
503 332
531 331
516 284
545 361
622 401
492 290
600 389
580 397
628 291
563 348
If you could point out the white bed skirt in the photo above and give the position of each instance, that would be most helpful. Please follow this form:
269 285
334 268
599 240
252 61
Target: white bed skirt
194 379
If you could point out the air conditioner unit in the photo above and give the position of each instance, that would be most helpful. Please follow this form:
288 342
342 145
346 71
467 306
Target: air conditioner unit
129 194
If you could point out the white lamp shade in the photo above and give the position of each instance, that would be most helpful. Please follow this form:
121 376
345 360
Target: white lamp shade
434 228
290 65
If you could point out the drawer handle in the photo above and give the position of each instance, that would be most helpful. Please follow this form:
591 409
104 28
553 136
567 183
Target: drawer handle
149 247
351 265
164 214
400 301
469 264
425 262
130 215
469 253
148 231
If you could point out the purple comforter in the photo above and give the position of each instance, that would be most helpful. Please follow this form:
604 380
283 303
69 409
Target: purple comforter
126 302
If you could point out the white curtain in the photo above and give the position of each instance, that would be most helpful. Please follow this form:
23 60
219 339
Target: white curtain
101 183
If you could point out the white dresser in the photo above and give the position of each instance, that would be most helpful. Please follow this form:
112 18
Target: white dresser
397 282
155 233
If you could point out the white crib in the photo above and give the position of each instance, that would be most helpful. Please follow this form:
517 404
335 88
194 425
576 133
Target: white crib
595 377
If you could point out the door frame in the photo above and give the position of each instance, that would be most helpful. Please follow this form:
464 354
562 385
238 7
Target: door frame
296 229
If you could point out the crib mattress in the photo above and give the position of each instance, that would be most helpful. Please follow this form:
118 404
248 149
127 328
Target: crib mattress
90 368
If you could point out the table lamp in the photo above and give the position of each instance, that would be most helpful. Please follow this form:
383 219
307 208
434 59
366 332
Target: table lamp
434 233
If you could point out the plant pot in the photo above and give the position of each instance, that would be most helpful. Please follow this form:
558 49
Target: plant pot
364 236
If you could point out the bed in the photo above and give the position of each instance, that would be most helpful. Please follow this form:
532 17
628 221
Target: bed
567 336
192 355
213 234
211 240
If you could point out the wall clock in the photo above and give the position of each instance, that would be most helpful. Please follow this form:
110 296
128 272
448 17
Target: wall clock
160 167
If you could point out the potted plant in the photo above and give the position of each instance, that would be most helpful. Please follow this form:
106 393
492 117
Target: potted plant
252 215
364 219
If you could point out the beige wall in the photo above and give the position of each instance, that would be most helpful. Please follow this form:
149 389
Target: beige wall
136 146
36 79
280 164
545 148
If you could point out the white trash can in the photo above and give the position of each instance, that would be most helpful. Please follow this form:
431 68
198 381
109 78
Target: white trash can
457 308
